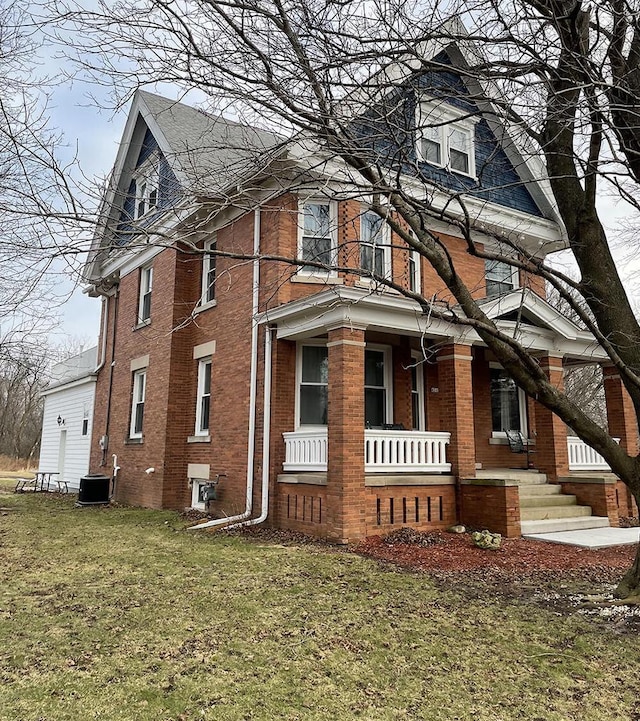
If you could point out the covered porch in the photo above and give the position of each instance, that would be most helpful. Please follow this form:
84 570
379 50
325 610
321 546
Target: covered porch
381 415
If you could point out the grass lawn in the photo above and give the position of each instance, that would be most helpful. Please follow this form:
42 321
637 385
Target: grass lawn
122 614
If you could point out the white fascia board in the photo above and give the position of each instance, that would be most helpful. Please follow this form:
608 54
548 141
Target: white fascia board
92 378
538 307
346 306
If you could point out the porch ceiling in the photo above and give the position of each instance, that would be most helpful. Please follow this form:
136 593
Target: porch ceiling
388 312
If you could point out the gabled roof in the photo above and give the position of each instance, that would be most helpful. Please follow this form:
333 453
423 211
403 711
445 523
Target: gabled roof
207 154
530 309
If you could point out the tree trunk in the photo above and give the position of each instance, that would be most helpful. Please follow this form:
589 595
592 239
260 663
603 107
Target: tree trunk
629 586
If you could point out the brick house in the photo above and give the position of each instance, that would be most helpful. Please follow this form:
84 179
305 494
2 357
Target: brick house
318 400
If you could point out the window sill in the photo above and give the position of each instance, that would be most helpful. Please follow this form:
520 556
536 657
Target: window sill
378 285
133 441
205 306
318 279
142 324
199 439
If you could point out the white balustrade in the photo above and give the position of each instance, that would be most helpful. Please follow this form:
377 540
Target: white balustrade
395 451
584 458
406 451
305 450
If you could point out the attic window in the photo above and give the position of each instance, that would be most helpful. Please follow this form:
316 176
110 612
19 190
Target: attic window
146 181
446 137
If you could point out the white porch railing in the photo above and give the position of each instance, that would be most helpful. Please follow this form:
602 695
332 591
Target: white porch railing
395 451
583 458
305 450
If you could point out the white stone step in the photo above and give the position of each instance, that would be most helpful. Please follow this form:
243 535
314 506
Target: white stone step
563 524
522 476
543 501
547 489
547 512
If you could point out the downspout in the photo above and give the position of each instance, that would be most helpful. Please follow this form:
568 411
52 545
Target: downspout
266 435
111 368
105 322
253 386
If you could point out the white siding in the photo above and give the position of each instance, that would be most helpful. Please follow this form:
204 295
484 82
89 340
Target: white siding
70 404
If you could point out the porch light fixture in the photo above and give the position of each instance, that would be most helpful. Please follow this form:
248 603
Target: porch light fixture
60 420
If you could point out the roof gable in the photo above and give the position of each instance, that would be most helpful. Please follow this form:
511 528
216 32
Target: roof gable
525 306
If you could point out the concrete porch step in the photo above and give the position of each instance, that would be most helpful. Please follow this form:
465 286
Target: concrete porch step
563 524
546 500
522 476
547 489
547 512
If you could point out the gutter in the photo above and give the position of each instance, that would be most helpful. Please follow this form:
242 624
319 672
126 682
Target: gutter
242 518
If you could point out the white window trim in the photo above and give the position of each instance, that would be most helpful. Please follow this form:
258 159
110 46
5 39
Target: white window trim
515 276
333 233
196 483
416 257
206 268
444 117
299 346
500 436
417 358
388 377
385 245
139 378
146 288
202 363
148 174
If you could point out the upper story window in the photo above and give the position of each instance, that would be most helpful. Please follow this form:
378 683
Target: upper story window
208 293
375 250
317 237
413 260
85 420
144 298
500 277
446 137
146 181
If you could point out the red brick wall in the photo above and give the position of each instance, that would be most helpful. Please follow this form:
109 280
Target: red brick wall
421 507
345 472
496 508
600 496
302 507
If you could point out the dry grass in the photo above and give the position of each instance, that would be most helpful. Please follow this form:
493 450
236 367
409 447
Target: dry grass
16 465
120 614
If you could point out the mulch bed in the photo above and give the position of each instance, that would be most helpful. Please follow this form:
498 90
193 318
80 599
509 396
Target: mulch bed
455 553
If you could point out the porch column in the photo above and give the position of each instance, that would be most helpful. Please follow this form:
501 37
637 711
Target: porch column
345 513
621 414
552 454
456 407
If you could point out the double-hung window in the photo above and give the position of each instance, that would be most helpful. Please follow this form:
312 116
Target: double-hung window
500 277
414 271
203 402
85 420
137 403
208 293
377 387
508 403
146 180
375 255
144 298
446 137
417 391
317 235
313 373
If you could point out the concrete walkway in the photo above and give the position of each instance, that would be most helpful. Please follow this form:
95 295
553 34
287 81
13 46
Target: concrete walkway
590 537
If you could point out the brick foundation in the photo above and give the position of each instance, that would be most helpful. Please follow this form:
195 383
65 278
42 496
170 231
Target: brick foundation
490 506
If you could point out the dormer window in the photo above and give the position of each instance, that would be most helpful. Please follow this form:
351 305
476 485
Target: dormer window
146 180
446 137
